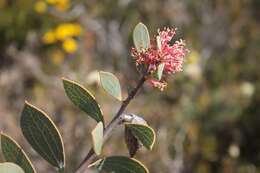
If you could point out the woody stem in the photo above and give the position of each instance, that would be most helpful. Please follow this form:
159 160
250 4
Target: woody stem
83 167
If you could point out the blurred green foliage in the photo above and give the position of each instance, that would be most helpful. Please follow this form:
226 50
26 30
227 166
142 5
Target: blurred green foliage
207 120
17 19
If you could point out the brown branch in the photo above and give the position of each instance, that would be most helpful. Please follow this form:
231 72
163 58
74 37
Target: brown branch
114 122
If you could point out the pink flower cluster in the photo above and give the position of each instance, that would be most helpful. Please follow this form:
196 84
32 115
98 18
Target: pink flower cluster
161 51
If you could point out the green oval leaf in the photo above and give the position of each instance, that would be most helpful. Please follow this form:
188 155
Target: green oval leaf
144 133
111 84
43 135
8 167
97 138
12 152
141 37
160 71
83 99
120 164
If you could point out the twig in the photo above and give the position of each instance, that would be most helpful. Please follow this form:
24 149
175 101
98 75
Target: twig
114 122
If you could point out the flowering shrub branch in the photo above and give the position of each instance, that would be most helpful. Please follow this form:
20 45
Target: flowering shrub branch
115 121
155 60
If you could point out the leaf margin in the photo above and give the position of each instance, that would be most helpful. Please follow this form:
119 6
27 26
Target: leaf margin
19 147
96 150
160 70
64 79
120 98
132 159
147 126
142 26
12 164
27 103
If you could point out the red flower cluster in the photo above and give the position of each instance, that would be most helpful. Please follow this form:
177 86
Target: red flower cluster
161 51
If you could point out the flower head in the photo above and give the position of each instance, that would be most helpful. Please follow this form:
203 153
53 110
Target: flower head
70 45
161 51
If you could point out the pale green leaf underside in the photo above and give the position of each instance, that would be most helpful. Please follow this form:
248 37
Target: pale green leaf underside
111 84
8 167
97 138
160 71
159 42
141 37
43 135
120 164
83 99
144 134
12 152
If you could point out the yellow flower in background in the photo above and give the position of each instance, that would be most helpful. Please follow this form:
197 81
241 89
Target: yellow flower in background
77 30
62 5
66 30
40 7
70 45
52 2
49 37
62 32
65 33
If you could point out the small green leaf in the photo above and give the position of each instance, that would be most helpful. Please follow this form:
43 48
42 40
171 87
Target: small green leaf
144 133
160 71
97 138
43 135
83 99
120 164
141 37
111 84
12 152
8 167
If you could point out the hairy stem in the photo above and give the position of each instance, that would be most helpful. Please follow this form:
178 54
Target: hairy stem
83 167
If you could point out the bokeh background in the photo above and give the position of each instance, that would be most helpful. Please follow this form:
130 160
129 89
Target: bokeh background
207 120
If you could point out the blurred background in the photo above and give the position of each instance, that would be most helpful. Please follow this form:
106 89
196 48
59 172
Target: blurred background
207 120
